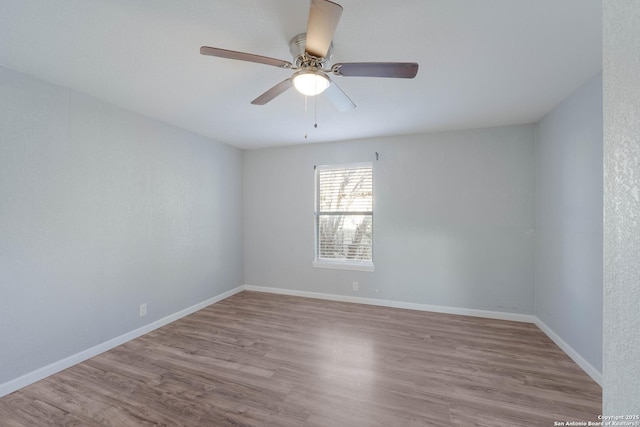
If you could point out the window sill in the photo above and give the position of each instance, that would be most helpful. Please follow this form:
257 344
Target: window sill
344 266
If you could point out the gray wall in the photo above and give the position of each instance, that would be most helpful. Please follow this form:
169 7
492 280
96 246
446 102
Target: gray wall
621 390
453 218
569 221
102 209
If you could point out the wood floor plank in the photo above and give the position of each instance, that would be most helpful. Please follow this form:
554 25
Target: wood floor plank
258 359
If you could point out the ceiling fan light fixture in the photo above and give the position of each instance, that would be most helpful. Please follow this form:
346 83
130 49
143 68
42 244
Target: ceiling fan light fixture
311 83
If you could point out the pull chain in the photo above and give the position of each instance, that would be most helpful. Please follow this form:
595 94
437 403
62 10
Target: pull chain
315 111
315 114
305 117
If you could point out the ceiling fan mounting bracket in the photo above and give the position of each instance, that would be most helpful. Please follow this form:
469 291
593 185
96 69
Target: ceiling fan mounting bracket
336 69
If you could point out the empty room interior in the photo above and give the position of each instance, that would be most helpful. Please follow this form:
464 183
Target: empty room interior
438 229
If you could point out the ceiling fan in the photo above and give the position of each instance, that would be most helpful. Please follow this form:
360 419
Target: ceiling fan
311 52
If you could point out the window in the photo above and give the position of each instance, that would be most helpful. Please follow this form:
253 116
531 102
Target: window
344 216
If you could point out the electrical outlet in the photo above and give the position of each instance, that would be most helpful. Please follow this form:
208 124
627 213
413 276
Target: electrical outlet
356 286
142 309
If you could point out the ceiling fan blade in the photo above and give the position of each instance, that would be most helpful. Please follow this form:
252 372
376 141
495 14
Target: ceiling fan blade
241 56
401 70
338 98
278 89
323 21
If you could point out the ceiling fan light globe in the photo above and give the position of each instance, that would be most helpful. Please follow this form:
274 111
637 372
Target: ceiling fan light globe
310 83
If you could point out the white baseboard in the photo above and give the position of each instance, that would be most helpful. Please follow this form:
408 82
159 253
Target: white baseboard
41 373
580 361
515 317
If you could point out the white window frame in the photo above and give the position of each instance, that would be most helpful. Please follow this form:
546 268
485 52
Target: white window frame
336 264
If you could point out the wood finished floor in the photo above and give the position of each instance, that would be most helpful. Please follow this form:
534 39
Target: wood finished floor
258 359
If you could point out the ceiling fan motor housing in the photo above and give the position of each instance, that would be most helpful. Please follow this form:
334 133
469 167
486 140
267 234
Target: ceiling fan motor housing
305 60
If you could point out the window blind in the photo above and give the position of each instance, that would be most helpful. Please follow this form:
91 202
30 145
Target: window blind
344 213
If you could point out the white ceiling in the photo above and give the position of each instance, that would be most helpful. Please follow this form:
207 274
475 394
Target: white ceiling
482 62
